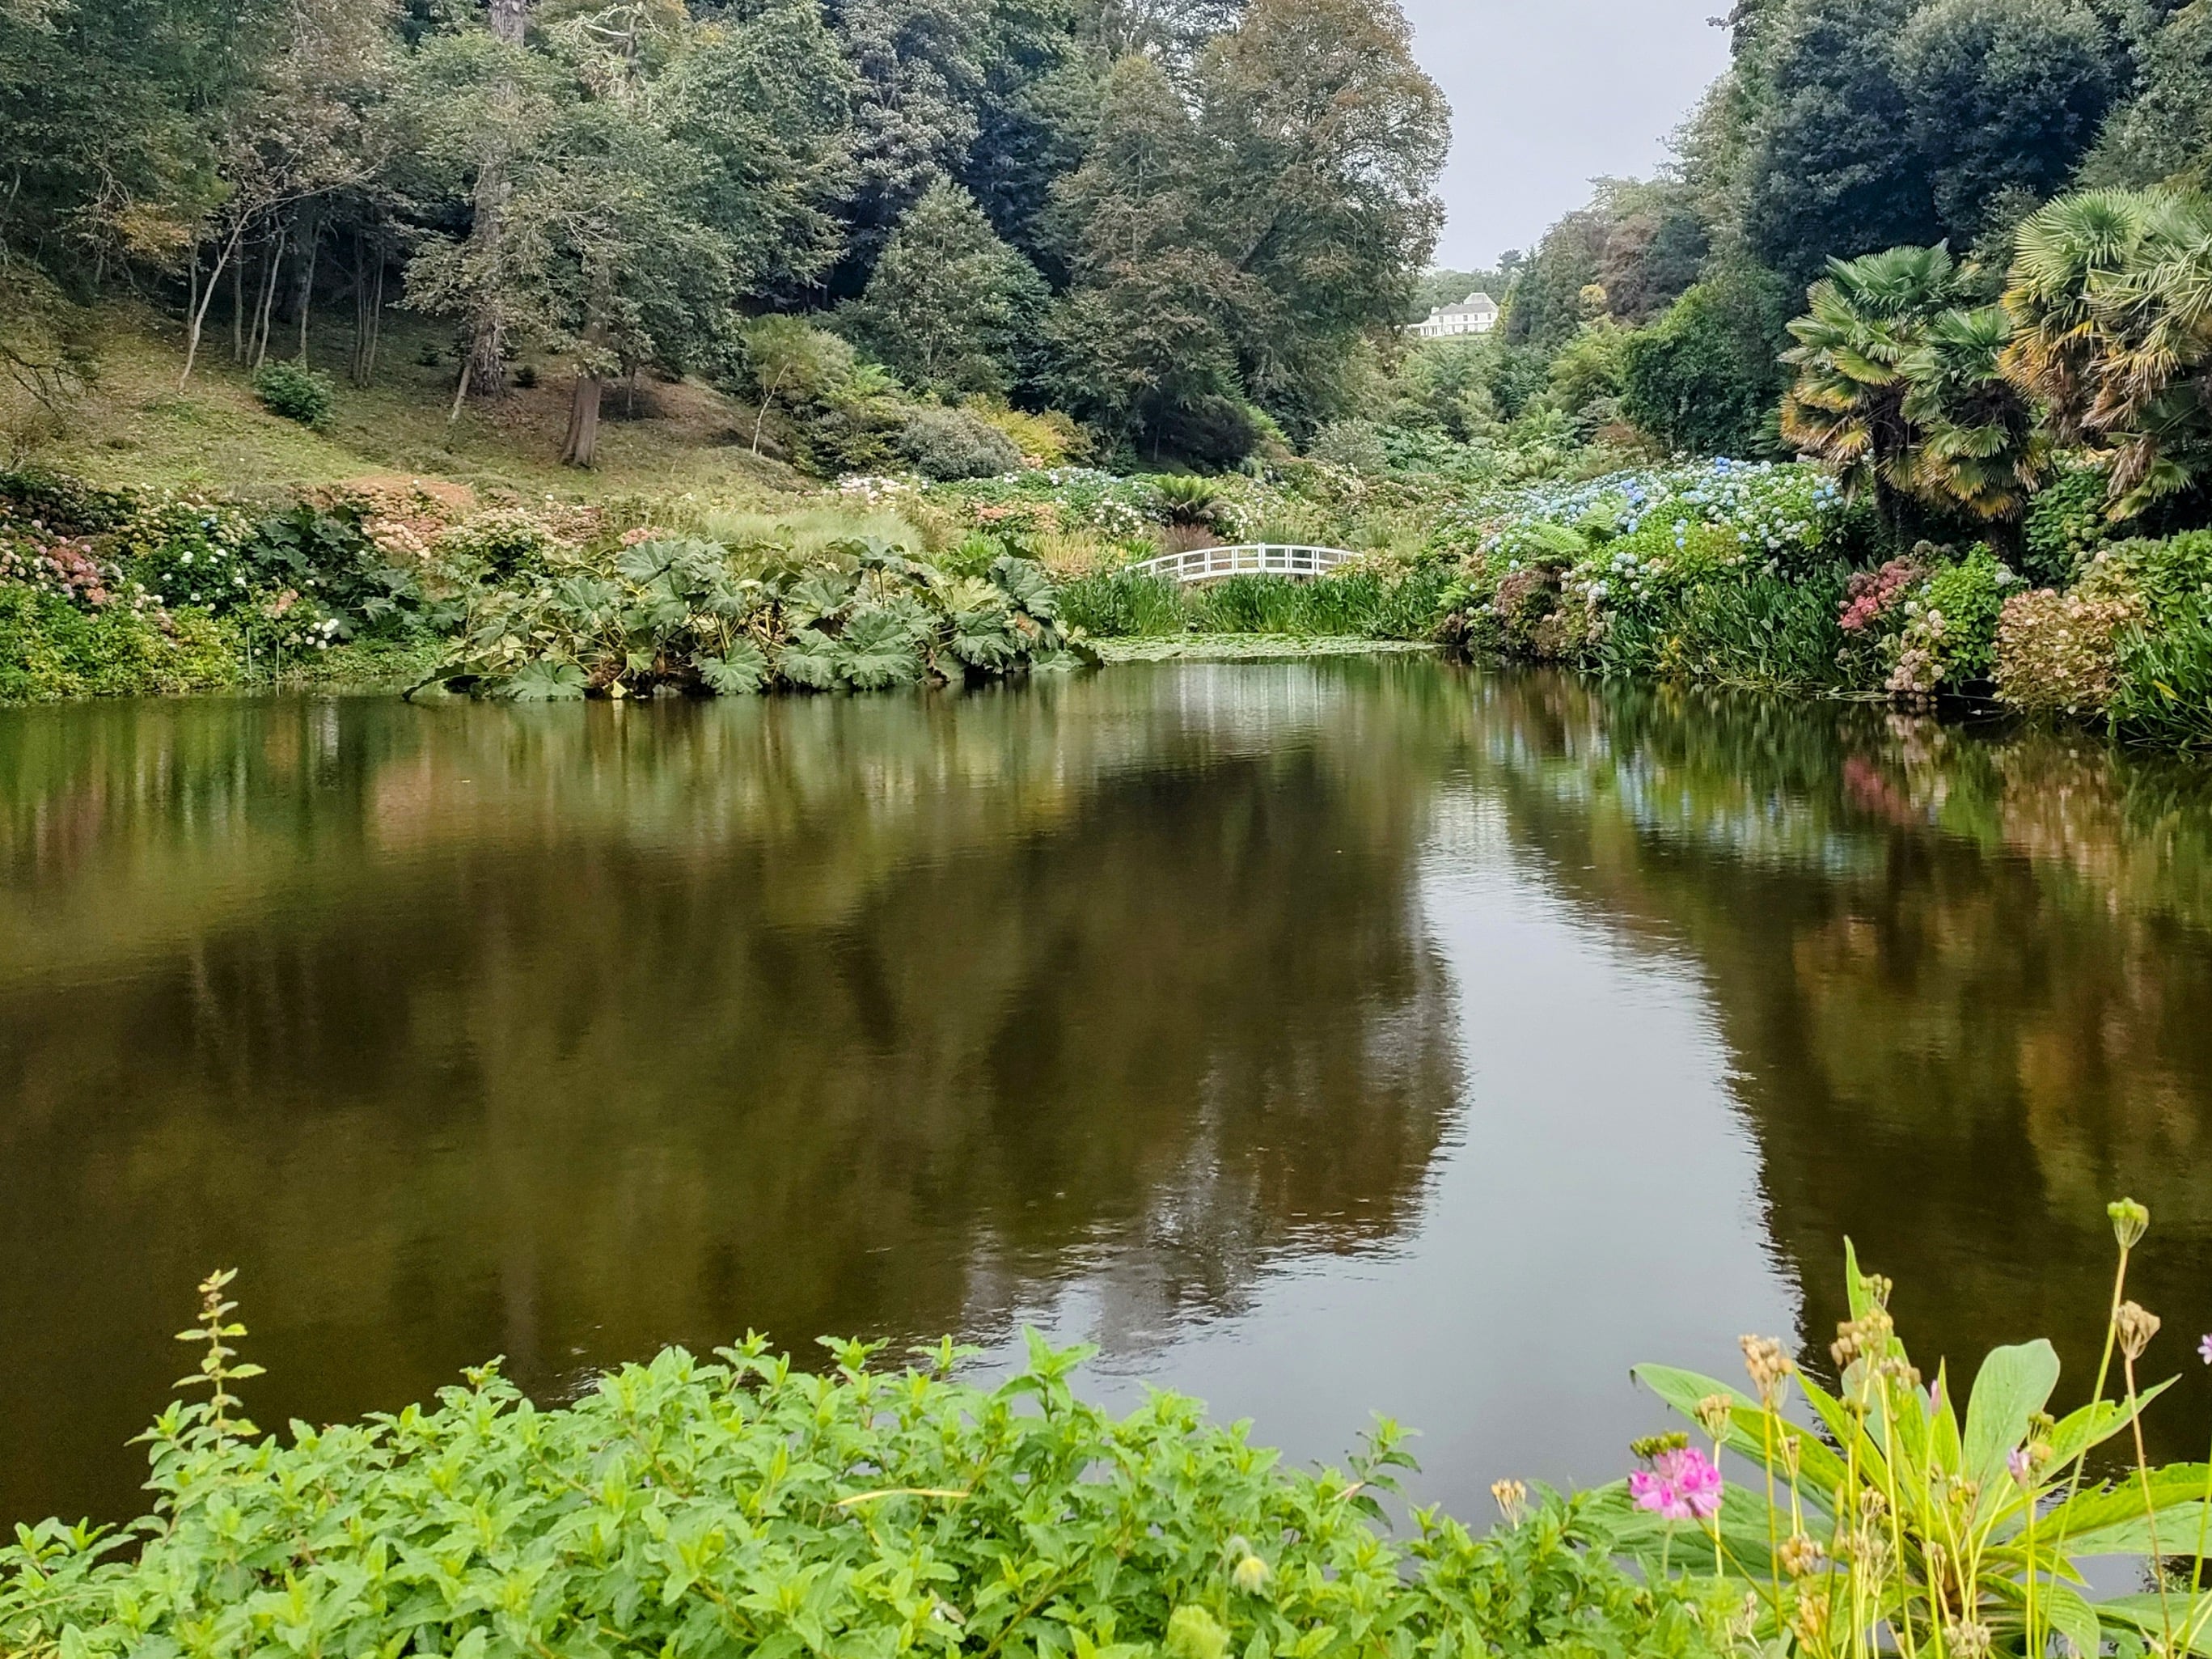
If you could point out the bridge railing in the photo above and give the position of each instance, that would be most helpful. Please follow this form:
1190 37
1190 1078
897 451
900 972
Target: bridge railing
1252 558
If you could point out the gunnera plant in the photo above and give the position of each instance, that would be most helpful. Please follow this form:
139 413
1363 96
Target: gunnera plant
296 393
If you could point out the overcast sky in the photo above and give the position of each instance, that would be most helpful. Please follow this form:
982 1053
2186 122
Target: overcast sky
1547 95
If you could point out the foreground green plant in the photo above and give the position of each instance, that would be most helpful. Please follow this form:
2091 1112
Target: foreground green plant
1897 1527
746 1507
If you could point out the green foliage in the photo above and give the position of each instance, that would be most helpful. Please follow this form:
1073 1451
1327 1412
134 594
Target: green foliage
2164 133
2065 523
1706 379
1960 605
2006 96
2162 694
1232 249
951 307
295 391
681 1507
1121 604
2105 293
700 616
50 648
951 444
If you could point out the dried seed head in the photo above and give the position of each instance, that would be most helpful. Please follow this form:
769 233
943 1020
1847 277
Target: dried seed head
1862 1338
1512 1500
1714 1411
1802 1556
2130 1221
1770 1366
2135 1325
1869 1550
1811 1619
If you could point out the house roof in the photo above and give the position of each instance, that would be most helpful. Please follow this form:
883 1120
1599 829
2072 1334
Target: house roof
1474 304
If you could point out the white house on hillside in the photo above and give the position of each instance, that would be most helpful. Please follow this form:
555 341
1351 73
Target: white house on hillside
1476 314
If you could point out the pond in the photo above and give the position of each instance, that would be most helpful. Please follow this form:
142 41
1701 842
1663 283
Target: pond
1323 1039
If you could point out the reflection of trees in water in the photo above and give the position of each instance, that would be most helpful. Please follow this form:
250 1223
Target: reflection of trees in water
1967 980
474 1030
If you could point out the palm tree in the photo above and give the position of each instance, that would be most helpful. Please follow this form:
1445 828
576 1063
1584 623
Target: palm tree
1865 319
2111 298
1978 445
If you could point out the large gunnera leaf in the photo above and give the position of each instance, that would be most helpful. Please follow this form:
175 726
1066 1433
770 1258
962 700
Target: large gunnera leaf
983 639
879 647
739 671
547 681
1024 582
809 658
817 593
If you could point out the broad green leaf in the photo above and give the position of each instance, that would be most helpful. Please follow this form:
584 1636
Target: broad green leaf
809 660
1025 582
2146 1613
1855 1288
547 681
739 671
2071 1616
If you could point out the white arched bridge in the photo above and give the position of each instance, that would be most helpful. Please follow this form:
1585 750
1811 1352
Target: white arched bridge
1248 559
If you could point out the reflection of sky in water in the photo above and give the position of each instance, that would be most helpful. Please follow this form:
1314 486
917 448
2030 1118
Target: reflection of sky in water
1598 1206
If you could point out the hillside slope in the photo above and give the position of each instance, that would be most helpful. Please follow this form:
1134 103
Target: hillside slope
133 425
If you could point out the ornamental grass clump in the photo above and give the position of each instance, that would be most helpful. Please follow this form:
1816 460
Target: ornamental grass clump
1892 1525
683 1509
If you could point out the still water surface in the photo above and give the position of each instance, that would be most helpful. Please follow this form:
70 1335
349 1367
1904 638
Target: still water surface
1321 1039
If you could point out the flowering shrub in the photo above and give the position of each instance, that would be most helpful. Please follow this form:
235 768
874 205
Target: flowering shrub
1674 570
50 647
2059 653
1872 594
2066 524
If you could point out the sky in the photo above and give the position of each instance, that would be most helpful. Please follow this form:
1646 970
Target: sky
1548 94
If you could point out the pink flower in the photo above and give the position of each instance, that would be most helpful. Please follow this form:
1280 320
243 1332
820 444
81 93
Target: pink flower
1679 1484
2204 1350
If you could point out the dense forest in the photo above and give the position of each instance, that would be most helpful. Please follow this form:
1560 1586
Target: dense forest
1179 221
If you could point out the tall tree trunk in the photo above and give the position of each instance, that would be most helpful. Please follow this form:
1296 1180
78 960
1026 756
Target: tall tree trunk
357 361
312 247
203 297
263 324
376 314
582 448
510 20
237 312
